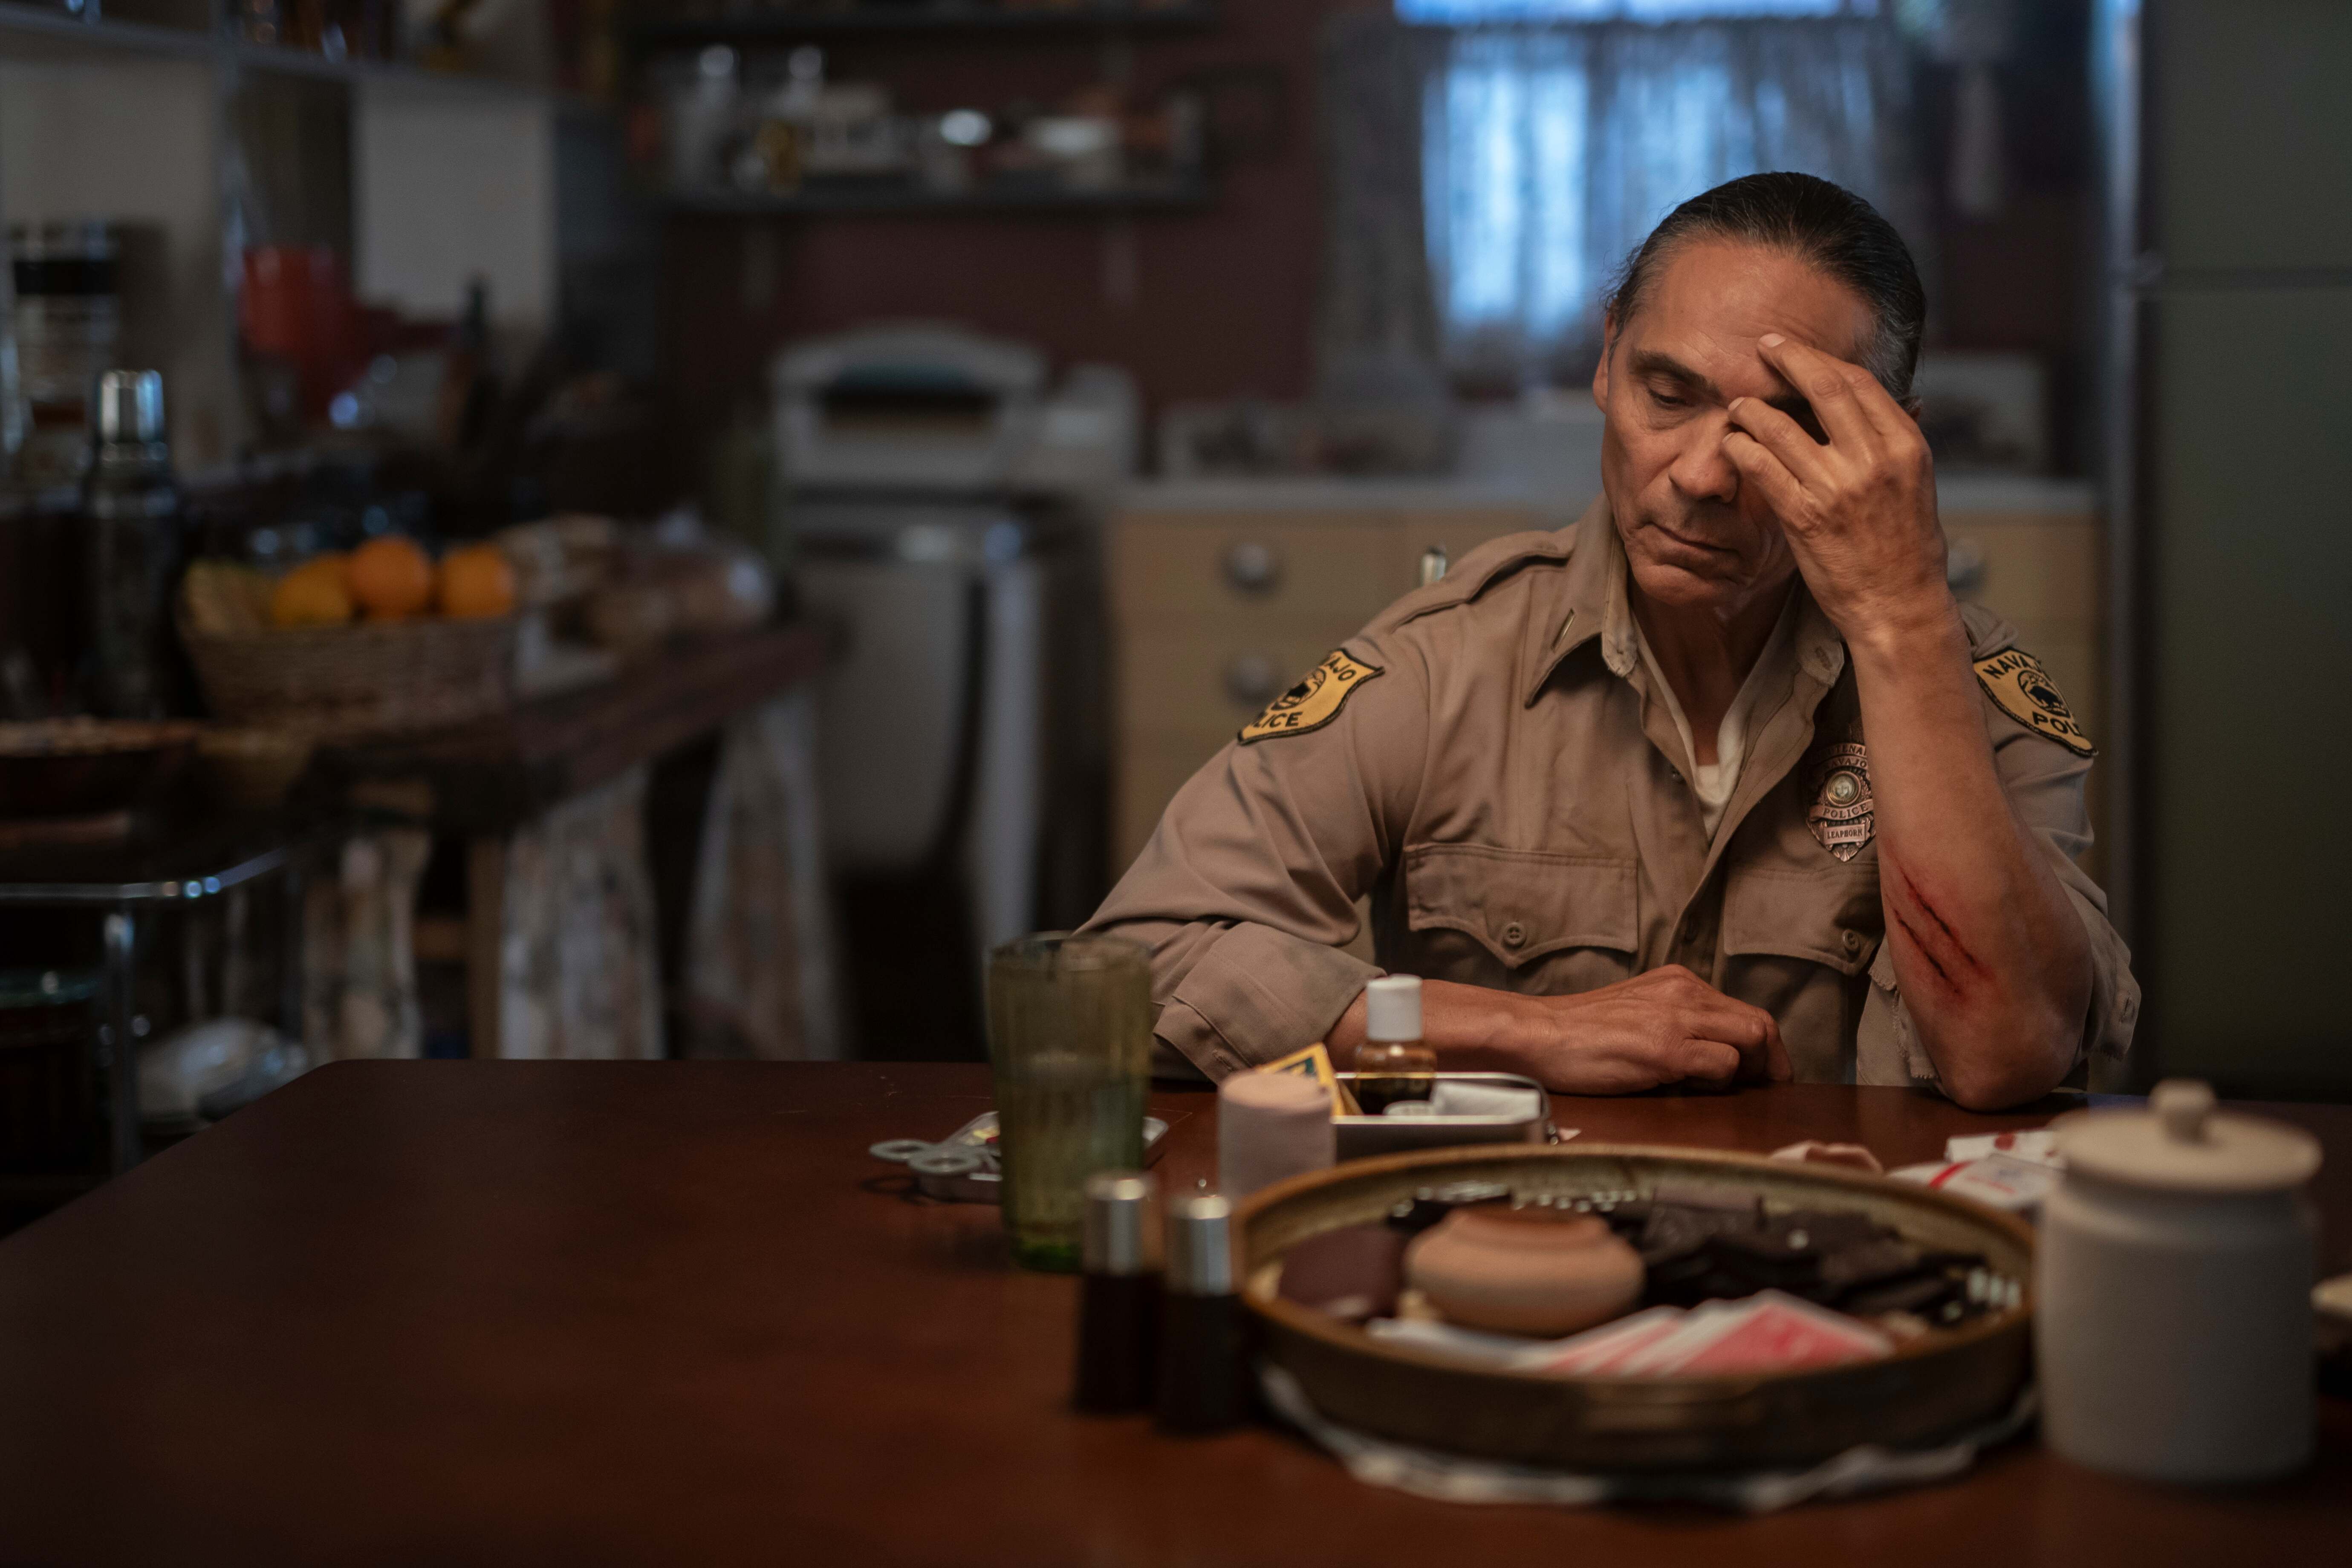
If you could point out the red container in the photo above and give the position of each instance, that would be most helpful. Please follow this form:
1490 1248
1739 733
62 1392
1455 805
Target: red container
297 306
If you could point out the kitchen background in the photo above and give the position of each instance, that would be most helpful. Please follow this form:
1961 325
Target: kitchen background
680 523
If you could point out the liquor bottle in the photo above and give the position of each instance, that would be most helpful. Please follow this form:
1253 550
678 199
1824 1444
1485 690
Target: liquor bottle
131 504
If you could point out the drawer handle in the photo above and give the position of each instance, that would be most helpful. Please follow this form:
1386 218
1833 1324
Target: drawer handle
1252 679
1252 566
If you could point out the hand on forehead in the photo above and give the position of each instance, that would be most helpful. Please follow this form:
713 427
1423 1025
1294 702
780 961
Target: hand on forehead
1700 321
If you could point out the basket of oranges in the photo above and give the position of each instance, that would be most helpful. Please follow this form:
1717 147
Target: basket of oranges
383 641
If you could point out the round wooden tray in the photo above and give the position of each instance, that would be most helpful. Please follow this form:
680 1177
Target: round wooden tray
1927 1392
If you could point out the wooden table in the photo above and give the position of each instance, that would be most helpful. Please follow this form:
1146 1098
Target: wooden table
637 1312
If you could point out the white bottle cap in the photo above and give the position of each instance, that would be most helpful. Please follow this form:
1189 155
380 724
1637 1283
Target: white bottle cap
1393 1008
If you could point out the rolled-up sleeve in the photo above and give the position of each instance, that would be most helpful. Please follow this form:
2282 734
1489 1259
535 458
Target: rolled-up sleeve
1247 892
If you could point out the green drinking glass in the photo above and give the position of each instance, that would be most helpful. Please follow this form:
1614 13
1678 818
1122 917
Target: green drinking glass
1070 1039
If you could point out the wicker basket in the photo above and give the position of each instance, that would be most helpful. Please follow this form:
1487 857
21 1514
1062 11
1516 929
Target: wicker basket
342 682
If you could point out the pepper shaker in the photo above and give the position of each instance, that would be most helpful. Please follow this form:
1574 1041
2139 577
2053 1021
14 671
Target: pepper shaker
1203 1344
1118 1294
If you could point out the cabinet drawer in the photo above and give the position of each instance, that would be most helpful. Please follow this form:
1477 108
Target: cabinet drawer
2036 568
1456 533
1250 571
1214 684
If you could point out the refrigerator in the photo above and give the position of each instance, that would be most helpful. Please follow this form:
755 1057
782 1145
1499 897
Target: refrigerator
2227 467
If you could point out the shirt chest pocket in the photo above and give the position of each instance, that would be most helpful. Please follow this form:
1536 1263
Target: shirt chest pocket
1833 919
1522 905
1794 944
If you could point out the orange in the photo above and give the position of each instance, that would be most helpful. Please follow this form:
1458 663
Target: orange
476 583
313 595
391 578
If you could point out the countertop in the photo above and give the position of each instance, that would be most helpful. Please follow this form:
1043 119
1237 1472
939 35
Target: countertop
2025 494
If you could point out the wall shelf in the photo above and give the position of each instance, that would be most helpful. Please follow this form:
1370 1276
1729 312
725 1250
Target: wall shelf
1164 197
784 27
45 34
197 143
41 34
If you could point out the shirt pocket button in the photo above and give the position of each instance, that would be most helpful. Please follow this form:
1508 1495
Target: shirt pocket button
1514 934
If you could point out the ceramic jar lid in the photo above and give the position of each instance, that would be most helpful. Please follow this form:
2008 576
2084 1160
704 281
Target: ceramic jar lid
2180 1143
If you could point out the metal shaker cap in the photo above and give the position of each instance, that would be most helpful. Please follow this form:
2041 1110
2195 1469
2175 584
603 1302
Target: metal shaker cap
1200 1245
130 405
1122 1223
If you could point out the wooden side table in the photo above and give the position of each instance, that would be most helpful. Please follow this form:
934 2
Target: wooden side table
480 781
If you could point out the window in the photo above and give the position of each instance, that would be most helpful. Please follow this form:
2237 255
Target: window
1460 13
1555 133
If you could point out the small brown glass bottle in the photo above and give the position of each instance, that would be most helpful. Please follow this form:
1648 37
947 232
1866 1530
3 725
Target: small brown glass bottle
1393 1064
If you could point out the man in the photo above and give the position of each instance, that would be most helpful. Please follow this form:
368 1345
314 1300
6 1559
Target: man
1718 782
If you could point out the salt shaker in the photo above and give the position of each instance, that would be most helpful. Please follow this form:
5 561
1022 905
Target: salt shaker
2174 1331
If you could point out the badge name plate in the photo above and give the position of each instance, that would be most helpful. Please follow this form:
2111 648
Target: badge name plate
1841 815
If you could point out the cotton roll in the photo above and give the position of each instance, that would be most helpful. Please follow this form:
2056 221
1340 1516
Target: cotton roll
1271 1126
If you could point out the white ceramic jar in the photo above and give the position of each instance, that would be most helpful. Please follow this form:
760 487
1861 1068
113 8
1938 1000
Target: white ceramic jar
2174 1327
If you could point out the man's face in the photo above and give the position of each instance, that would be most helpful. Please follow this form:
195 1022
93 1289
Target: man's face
1694 535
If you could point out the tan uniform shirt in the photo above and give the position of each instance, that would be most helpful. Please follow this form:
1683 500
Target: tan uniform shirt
1488 760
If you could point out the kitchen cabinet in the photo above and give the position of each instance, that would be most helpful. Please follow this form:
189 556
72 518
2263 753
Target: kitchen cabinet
2032 552
1222 593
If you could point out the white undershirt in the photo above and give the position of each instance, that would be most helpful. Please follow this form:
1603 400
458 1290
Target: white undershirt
1713 784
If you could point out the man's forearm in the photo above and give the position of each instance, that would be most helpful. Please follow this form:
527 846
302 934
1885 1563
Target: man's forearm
1663 1026
1991 959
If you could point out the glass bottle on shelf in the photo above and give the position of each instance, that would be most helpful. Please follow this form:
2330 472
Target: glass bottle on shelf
133 506
67 318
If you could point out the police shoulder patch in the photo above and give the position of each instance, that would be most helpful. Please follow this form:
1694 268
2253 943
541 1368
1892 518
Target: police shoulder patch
2021 689
1314 702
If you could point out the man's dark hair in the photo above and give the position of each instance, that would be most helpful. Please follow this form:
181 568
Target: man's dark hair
1815 221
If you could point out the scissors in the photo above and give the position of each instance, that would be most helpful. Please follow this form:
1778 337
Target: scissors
953 1158
965 1166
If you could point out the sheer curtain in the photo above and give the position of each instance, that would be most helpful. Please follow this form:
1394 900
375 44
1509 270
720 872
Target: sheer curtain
1543 153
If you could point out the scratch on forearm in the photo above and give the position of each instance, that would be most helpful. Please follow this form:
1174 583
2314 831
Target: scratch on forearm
1934 939
1925 952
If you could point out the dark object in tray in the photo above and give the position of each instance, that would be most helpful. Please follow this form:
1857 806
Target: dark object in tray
1706 1249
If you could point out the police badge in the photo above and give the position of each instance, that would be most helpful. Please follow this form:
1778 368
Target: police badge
1840 814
